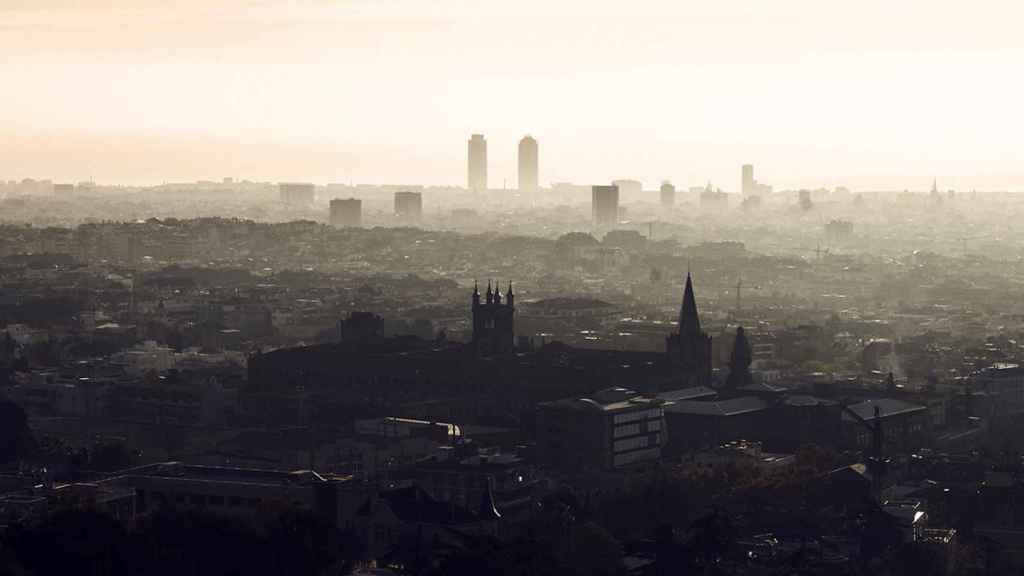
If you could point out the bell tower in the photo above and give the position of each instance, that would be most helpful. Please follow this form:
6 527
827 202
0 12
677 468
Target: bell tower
493 321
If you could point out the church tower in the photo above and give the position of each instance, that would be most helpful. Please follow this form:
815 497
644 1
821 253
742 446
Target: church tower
690 347
739 362
493 321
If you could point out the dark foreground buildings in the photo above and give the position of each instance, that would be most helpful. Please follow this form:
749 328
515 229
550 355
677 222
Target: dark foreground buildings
487 379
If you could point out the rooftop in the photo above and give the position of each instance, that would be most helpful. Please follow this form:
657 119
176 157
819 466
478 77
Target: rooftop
886 407
223 474
687 394
731 407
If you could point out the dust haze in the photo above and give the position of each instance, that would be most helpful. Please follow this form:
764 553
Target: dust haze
406 288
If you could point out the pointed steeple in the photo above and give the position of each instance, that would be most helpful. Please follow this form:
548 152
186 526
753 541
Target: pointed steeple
689 321
476 294
497 292
490 294
509 295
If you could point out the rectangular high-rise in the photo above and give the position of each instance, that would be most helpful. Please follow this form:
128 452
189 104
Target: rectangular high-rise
409 206
604 201
297 192
346 212
668 194
477 163
747 183
528 161
629 190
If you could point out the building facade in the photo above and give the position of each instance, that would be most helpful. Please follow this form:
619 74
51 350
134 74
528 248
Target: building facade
409 206
477 163
528 165
297 192
346 212
668 194
605 205
612 429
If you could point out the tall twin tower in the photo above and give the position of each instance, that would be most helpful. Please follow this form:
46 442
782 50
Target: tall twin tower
477 164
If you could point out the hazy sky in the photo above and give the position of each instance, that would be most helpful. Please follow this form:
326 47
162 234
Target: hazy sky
867 93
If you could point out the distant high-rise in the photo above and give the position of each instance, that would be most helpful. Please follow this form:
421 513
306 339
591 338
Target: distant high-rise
528 161
346 212
747 183
477 163
297 192
605 205
409 206
629 190
668 194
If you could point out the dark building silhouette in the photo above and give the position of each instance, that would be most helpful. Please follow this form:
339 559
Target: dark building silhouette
528 160
690 347
493 322
447 380
739 362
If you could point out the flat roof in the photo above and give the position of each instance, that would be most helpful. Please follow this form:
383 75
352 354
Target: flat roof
731 407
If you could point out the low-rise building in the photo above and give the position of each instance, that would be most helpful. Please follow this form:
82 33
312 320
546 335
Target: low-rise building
613 429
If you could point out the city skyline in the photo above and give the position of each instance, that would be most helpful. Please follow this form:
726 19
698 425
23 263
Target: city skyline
867 98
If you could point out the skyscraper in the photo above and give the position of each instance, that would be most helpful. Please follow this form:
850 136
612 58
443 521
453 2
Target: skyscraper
346 212
477 163
528 160
668 194
747 184
605 204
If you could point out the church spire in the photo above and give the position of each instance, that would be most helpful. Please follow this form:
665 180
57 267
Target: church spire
689 321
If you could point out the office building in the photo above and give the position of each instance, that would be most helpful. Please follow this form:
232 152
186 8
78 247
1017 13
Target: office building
668 194
630 190
297 192
409 206
612 429
528 160
477 163
605 205
749 186
346 212
747 179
